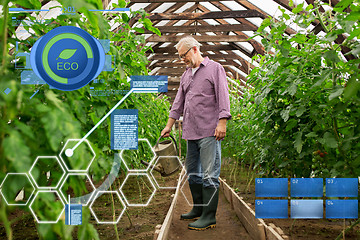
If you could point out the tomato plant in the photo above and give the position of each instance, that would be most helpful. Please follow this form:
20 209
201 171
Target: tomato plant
41 125
300 120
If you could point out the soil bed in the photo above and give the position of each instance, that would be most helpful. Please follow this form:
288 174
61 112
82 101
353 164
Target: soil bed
144 219
228 226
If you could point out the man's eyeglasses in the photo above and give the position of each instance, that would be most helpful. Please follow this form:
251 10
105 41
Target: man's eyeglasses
182 56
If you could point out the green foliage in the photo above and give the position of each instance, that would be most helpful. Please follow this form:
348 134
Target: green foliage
40 126
301 119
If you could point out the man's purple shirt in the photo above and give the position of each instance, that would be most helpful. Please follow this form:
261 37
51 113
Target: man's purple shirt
203 99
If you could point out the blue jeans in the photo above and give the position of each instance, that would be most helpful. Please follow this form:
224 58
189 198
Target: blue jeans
203 161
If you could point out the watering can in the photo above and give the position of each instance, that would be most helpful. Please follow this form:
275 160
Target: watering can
167 152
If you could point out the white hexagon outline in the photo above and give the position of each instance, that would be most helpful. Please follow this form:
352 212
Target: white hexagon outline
57 185
34 215
78 174
192 204
74 170
139 204
150 163
105 222
17 204
152 169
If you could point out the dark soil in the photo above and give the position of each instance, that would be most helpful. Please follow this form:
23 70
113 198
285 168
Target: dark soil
300 229
143 219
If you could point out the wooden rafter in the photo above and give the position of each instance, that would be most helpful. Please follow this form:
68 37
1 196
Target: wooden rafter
243 50
172 9
206 15
202 48
199 28
204 38
248 5
172 22
167 1
259 48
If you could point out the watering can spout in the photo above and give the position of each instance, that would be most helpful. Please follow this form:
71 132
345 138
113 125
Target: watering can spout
156 168
166 154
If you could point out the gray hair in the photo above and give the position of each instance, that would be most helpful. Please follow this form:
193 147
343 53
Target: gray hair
188 42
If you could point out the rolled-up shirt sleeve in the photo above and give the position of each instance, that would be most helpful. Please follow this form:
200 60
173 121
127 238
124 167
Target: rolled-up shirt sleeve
222 92
178 105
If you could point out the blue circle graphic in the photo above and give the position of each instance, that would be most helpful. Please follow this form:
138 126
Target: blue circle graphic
71 67
67 58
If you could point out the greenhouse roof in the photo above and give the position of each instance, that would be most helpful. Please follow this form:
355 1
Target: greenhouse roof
223 29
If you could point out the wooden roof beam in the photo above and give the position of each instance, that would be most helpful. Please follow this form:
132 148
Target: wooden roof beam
166 1
172 22
203 38
201 28
206 15
259 48
172 9
218 56
203 48
243 50
249 5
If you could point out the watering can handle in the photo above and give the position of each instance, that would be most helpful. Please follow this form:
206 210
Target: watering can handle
157 142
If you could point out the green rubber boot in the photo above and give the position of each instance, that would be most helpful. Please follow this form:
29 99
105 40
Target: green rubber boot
207 218
195 213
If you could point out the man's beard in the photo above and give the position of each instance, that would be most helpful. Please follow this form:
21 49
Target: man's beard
190 64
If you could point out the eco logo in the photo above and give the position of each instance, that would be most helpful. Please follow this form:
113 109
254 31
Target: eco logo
67 58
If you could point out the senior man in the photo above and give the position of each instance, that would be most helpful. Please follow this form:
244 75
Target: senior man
203 99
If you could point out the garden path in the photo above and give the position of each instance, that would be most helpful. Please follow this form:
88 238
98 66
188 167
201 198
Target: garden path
228 226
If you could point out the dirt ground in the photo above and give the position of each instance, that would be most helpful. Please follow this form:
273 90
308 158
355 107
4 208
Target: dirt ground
228 225
142 226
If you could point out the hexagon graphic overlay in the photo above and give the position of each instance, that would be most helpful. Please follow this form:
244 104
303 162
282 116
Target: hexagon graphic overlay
137 189
78 160
79 183
42 211
107 199
17 189
133 159
47 172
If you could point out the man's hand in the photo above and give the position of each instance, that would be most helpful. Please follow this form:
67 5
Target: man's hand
165 132
220 130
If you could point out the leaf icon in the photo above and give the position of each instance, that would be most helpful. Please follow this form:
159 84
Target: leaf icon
66 53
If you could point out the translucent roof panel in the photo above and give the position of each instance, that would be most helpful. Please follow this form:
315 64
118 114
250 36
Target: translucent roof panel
210 6
163 7
233 5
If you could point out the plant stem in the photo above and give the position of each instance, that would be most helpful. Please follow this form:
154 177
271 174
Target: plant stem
140 194
344 229
5 32
144 184
348 229
5 220
249 182
114 217
292 226
128 215
235 173
320 18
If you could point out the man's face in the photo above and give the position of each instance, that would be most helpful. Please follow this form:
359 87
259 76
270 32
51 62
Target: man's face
187 55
